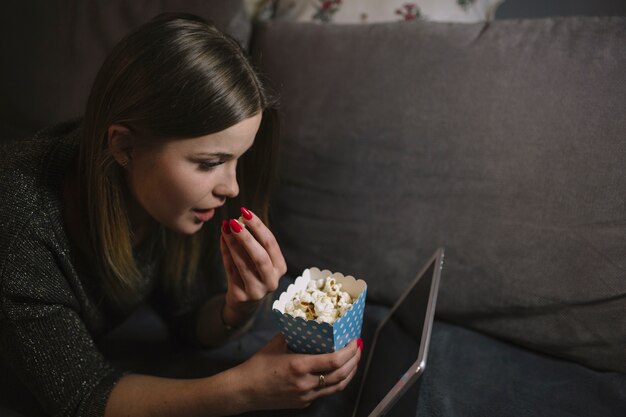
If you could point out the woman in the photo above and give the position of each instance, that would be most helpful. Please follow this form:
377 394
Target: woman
119 209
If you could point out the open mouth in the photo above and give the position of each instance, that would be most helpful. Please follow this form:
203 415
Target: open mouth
204 214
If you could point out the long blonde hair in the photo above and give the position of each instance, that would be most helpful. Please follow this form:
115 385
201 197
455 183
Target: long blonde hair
176 77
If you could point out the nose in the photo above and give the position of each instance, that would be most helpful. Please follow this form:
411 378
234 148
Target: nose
227 185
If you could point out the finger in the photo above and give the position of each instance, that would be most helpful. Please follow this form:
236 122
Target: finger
328 362
340 374
232 273
258 254
231 240
259 257
238 255
255 288
331 389
265 238
227 258
229 265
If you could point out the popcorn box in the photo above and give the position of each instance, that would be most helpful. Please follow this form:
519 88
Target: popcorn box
309 336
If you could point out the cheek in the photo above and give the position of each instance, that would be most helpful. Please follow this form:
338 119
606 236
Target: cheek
169 190
185 191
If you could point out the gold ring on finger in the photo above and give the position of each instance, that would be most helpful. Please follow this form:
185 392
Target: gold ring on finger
322 382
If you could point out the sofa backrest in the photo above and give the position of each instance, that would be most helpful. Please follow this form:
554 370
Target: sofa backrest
504 142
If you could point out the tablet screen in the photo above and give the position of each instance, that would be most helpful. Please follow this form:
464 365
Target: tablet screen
395 350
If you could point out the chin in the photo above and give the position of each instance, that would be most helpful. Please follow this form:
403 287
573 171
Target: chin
185 228
192 229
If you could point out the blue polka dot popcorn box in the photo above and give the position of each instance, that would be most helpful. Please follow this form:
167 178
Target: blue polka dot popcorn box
310 336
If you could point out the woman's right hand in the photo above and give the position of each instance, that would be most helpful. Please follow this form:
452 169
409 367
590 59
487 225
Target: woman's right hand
276 378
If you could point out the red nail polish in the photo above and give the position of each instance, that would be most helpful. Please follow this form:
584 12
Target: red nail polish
359 343
235 226
246 213
225 227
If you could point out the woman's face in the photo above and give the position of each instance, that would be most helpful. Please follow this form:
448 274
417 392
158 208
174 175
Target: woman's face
180 183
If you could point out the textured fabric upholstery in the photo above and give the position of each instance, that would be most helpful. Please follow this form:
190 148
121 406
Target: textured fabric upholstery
502 142
467 373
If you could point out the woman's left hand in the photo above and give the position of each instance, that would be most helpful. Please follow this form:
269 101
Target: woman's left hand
253 263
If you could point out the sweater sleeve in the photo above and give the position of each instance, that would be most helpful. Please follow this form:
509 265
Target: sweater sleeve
43 338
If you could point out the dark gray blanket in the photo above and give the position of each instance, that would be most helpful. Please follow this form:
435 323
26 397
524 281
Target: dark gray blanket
468 374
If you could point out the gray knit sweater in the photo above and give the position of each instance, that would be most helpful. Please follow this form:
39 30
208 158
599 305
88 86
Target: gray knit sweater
52 310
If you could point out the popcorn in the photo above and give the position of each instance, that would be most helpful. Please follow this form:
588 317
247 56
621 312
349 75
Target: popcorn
321 311
322 301
240 221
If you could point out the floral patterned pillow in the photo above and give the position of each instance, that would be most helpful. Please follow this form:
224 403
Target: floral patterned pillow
373 11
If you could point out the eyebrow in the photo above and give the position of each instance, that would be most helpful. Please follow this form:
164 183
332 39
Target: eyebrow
221 155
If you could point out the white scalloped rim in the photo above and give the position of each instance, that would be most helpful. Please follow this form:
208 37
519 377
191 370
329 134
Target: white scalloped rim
354 287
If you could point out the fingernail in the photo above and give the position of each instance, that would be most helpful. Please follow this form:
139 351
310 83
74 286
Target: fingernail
225 227
359 343
246 213
235 226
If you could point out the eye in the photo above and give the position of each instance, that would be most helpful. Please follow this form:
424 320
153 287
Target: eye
209 165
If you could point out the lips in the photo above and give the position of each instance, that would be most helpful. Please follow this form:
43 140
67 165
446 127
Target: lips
204 214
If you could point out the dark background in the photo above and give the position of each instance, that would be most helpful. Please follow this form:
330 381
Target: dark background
513 9
69 39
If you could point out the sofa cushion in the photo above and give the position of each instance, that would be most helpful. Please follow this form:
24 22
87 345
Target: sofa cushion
502 142
376 11
53 53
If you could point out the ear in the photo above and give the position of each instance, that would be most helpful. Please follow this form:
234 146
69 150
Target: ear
120 143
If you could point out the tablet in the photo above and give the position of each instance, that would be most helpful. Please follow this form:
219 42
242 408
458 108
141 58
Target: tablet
399 348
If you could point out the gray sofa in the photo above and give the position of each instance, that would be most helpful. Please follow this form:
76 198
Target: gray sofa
505 143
